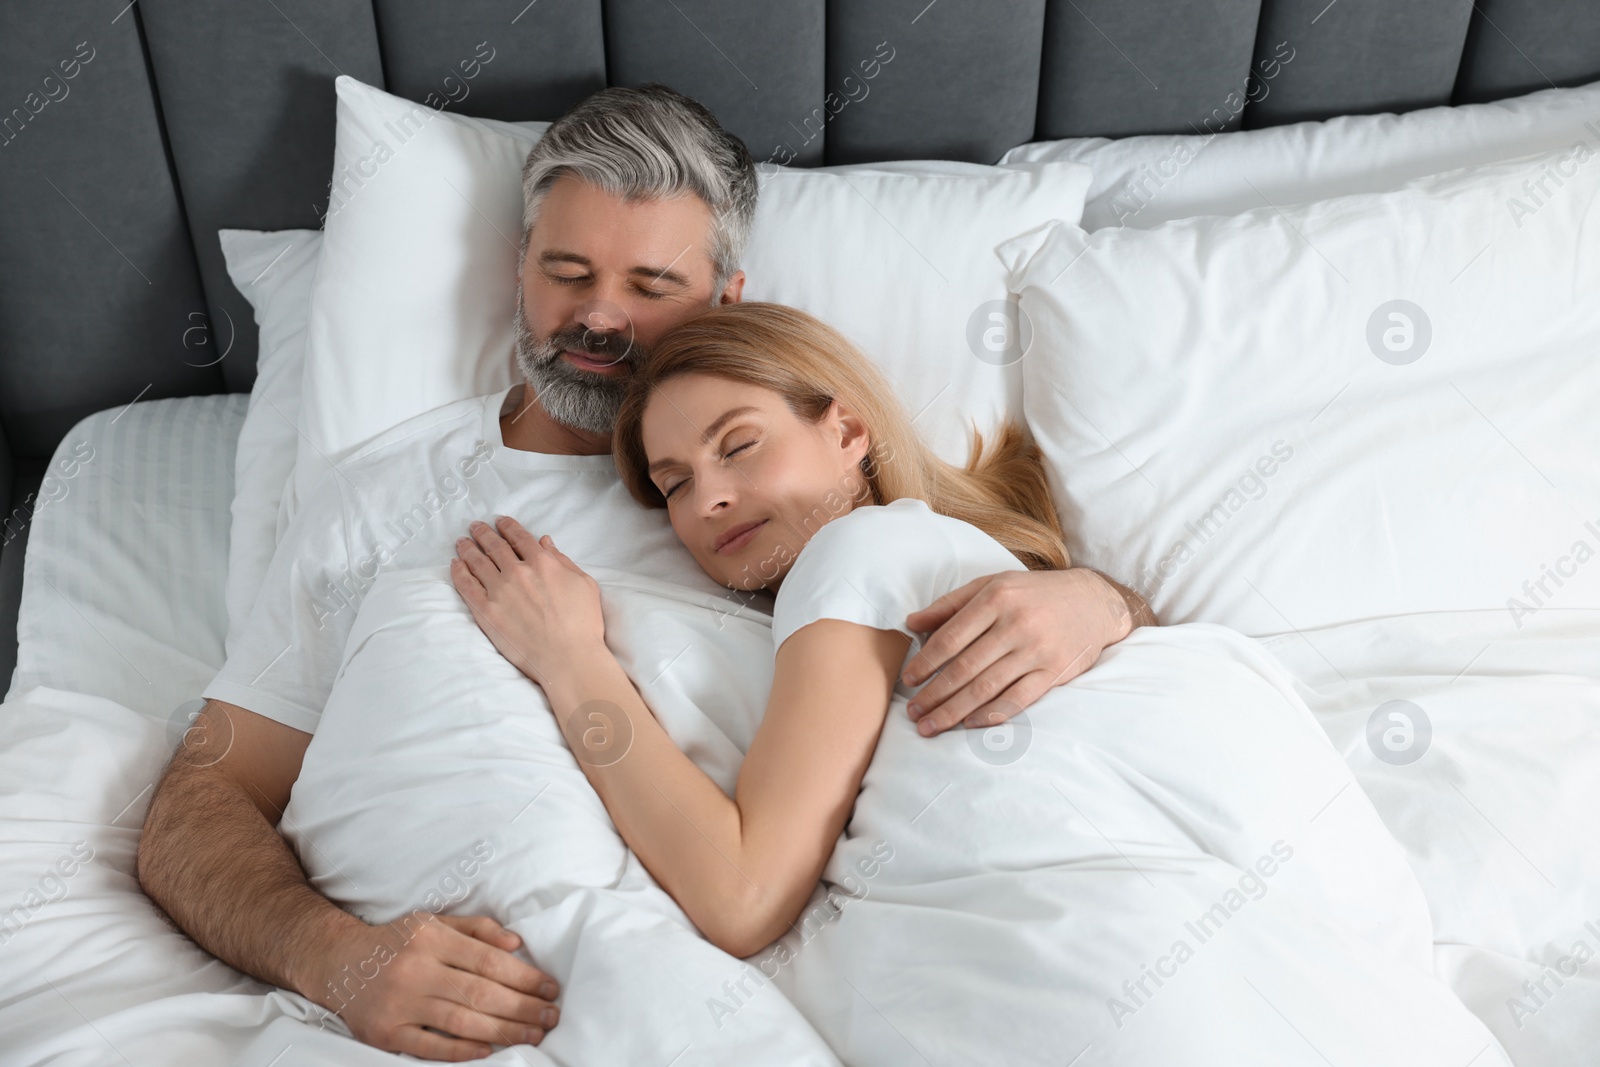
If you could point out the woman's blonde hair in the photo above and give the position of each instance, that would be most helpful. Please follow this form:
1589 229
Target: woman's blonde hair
1002 491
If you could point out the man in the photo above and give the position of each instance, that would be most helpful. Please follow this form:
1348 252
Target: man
637 208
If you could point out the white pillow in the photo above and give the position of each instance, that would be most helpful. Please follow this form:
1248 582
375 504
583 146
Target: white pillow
1371 405
1144 181
413 304
273 271
897 258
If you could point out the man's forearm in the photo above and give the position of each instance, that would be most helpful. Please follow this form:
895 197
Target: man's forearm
1138 611
228 878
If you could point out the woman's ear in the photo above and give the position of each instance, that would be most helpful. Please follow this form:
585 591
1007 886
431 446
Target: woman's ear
855 442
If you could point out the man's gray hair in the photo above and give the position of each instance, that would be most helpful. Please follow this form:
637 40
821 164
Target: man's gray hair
649 143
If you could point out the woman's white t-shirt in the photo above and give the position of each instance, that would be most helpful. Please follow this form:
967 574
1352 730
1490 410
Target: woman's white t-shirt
878 564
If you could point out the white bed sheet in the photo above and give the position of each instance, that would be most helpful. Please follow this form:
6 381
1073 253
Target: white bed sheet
121 624
1497 818
1499 814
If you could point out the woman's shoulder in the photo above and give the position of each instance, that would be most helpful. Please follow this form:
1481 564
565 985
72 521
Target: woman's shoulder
879 562
883 524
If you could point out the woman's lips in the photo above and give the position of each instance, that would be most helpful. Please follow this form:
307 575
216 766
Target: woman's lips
737 537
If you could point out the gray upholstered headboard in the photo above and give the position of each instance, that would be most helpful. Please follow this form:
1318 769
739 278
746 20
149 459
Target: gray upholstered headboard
131 131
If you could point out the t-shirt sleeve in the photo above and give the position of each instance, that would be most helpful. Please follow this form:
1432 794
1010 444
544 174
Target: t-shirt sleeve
290 650
877 565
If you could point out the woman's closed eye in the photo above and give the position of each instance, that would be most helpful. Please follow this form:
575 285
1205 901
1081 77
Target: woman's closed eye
671 487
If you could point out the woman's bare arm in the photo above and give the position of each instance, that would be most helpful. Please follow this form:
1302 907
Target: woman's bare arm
741 868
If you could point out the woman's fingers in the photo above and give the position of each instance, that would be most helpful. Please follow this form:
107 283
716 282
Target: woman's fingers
549 544
494 546
466 583
479 565
516 535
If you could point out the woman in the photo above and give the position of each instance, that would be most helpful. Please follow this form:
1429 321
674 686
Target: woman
754 428
786 465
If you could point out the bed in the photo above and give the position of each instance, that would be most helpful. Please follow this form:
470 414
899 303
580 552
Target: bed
130 376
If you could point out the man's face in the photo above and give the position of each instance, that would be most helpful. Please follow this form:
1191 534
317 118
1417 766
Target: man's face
603 279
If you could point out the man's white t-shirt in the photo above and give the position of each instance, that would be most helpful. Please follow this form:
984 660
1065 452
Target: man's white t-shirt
402 501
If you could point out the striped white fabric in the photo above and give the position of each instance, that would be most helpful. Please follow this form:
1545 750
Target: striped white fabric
127 556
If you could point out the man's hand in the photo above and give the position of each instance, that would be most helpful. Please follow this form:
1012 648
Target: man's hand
1002 642
212 858
435 986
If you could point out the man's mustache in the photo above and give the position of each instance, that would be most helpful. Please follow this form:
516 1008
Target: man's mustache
611 346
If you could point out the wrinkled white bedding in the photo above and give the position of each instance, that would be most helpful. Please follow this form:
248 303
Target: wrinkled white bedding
1174 867
93 974
1499 815
1022 890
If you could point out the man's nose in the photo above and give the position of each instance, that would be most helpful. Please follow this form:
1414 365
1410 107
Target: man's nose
604 316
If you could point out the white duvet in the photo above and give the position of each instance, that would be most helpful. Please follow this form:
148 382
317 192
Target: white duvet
1500 816
1171 866
1496 820
1516 719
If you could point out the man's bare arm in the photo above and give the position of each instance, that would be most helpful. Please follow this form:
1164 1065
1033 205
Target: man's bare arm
1139 612
213 859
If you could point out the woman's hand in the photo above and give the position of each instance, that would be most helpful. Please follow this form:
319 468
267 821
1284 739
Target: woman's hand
538 607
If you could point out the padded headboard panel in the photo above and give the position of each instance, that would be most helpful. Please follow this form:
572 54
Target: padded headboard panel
130 132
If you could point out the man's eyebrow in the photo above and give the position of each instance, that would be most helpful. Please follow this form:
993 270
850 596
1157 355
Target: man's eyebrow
663 274
558 256
711 431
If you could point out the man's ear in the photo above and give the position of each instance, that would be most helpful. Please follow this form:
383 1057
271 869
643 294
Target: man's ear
733 292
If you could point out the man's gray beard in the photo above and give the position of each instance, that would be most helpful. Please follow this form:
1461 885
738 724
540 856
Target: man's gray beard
580 399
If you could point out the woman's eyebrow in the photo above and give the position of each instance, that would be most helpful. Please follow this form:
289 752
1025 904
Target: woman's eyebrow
722 420
705 438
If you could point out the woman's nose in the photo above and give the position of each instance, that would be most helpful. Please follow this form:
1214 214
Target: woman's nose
715 495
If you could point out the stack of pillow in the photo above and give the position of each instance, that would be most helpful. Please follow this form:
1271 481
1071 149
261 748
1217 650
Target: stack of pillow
1331 371
408 302
1283 377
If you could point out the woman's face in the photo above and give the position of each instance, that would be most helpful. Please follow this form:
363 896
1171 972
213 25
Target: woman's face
747 481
